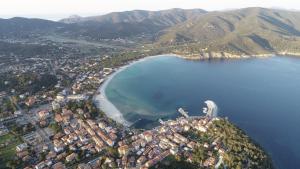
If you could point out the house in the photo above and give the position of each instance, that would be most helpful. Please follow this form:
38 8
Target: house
209 162
55 105
43 114
59 165
21 147
18 112
84 166
40 165
141 160
78 97
123 150
2 94
174 151
107 71
30 101
148 136
3 130
60 97
58 118
58 146
71 157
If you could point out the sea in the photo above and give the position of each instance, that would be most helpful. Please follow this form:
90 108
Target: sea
259 95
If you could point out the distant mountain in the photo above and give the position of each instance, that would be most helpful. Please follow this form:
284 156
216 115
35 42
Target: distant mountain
164 17
131 23
249 30
23 27
72 19
112 25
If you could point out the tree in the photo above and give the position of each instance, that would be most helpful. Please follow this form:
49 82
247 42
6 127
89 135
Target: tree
199 155
11 164
112 151
55 127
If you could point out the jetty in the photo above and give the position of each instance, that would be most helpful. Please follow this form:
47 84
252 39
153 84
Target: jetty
183 112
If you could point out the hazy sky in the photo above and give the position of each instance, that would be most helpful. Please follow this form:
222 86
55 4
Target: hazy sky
56 9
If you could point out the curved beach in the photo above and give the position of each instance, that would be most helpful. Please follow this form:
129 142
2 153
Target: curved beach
104 104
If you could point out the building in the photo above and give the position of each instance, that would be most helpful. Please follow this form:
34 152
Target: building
55 105
59 165
84 166
21 147
60 97
43 114
3 130
30 101
71 157
148 136
58 118
78 97
123 150
40 165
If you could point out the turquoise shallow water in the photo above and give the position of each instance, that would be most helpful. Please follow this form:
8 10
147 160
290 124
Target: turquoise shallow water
261 96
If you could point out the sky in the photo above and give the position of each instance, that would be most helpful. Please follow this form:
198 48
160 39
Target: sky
57 9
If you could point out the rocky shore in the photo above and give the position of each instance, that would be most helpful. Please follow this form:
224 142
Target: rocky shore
226 55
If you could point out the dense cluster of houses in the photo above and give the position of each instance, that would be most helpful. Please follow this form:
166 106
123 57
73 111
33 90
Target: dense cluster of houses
78 135
152 146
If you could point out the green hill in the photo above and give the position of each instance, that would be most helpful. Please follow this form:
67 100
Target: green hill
248 31
130 23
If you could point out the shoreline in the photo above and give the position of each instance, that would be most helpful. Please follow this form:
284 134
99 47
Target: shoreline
228 56
111 111
104 104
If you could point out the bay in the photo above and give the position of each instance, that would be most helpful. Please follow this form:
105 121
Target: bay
261 96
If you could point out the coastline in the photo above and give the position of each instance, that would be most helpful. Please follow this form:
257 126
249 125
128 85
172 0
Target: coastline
104 104
226 55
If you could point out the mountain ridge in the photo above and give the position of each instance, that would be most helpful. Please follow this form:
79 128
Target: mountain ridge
247 31
134 15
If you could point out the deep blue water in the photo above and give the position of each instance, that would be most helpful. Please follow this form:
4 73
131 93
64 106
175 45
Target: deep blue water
261 96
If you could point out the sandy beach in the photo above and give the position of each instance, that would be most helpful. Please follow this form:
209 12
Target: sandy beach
102 101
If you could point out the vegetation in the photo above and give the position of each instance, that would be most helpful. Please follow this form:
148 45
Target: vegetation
125 57
27 82
7 108
172 162
18 130
245 31
241 151
88 107
55 127
8 145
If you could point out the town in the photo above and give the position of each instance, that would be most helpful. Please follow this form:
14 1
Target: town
49 119
60 127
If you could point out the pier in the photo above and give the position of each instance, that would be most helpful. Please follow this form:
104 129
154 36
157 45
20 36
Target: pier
183 112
